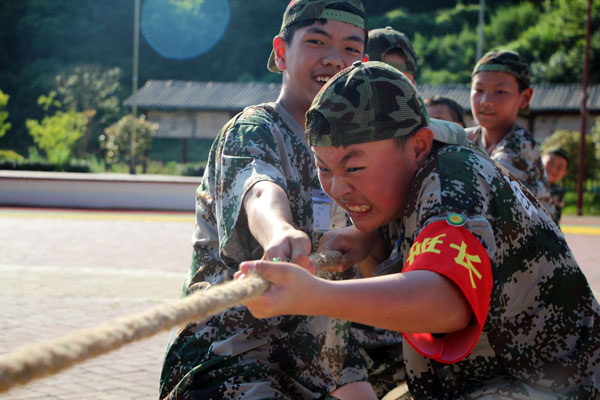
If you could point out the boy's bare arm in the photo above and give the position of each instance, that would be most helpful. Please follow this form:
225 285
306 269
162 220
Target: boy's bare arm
416 301
270 221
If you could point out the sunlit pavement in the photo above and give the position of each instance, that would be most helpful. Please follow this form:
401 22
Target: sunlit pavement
63 270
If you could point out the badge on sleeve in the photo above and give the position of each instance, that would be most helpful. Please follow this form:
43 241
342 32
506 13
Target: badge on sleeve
449 249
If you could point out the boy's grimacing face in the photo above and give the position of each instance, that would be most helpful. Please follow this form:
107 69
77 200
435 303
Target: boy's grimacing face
370 181
316 53
496 100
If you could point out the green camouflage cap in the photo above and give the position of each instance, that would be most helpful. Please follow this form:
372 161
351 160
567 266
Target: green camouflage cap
559 151
505 61
381 41
302 10
368 102
509 62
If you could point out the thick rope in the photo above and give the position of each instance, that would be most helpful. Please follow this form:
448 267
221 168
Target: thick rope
35 361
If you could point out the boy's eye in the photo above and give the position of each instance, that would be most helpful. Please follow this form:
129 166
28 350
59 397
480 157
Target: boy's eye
322 170
353 50
355 169
315 41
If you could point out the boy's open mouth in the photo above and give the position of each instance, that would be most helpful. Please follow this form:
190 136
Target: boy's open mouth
359 208
322 79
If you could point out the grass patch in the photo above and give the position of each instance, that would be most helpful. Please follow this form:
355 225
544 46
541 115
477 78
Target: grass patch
591 203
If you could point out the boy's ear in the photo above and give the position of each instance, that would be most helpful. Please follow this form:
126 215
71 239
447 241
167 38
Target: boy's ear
422 142
279 50
525 97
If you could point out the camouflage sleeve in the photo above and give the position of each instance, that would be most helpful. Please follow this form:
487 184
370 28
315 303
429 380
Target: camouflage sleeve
521 157
248 154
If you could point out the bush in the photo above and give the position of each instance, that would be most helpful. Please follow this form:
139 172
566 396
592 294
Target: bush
9 155
43 166
56 135
192 169
160 168
116 140
591 203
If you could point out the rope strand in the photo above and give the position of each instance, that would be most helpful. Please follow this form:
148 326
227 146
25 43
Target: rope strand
36 361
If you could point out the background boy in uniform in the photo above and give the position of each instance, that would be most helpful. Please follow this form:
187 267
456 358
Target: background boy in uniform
489 297
257 199
556 164
499 91
440 107
393 48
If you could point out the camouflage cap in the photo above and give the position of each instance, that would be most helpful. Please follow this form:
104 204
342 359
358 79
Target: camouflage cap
559 151
504 61
381 41
368 102
302 10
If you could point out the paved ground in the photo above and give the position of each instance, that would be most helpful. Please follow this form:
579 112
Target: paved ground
64 270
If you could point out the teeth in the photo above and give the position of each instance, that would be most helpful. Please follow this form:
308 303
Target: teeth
362 208
323 79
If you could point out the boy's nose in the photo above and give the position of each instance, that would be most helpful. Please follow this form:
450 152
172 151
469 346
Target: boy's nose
340 188
333 59
485 98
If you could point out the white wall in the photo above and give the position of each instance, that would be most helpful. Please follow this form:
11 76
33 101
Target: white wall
97 191
189 124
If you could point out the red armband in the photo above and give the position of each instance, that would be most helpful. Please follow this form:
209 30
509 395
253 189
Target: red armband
448 248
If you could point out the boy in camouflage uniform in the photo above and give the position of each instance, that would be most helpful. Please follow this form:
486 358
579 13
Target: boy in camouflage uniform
556 164
440 107
481 282
499 92
393 48
260 197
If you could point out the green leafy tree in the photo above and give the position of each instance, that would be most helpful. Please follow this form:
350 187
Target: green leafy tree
116 140
555 44
60 36
4 124
89 87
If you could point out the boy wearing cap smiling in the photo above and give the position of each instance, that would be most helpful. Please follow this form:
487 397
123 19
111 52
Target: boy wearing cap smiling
257 199
481 282
499 92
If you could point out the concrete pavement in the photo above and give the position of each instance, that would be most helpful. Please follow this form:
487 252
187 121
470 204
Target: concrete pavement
66 270
63 270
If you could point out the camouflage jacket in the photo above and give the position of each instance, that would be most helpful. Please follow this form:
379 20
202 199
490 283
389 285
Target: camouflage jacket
558 195
520 155
541 338
233 355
